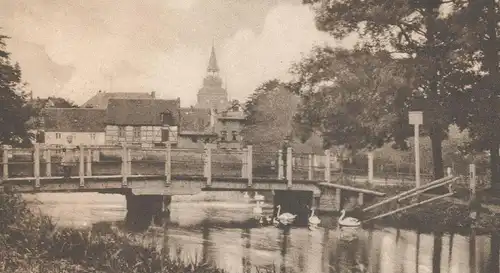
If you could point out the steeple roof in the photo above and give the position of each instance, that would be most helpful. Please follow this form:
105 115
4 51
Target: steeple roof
212 63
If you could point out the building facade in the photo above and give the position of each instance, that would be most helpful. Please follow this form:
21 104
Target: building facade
143 122
83 126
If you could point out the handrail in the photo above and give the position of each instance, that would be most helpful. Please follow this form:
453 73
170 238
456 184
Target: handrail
407 193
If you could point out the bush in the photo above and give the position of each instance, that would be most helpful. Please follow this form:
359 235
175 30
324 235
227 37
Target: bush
32 243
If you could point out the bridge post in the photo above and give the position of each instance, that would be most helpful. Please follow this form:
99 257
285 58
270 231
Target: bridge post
338 199
208 166
5 161
168 162
280 165
36 167
48 162
89 160
244 162
124 165
327 166
370 167
310 166
81 172
250 165
361 199
129 161
472 180
289 162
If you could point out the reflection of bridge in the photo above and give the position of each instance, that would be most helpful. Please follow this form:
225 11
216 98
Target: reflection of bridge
143 175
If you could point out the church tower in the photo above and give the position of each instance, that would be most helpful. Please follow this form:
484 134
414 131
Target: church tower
212 95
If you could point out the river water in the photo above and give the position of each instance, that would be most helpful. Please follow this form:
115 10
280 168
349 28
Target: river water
211 227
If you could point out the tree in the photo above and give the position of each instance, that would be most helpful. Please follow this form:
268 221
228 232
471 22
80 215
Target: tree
14 110
480 104
52 102
269 116
416 31
353 98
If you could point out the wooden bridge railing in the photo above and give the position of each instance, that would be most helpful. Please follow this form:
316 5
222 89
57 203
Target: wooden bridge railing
128 160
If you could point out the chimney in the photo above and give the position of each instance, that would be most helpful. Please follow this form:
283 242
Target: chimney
153 94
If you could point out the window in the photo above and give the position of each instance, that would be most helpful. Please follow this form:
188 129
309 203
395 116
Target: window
167 118
137 132
235 135
58 135
92 136
223 135
121 131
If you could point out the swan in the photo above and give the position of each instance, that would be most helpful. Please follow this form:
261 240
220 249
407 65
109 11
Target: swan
257 209
314 221
285 218
348 221
258 197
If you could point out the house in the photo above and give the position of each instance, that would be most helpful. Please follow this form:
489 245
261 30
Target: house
228 126
143 122
83 125
197 128
101 99
203 126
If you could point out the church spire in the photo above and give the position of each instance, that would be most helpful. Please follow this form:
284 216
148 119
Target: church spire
213 67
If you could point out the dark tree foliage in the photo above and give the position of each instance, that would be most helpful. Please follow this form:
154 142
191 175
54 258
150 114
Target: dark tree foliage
14 110
478 21
269 116
427 41
353 98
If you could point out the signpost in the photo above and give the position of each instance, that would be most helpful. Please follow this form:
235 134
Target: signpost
416 118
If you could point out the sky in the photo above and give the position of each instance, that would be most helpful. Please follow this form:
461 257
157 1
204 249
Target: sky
72 49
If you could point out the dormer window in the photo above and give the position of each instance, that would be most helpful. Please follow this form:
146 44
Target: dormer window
167 119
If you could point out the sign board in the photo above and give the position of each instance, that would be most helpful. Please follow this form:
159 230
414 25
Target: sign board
415 117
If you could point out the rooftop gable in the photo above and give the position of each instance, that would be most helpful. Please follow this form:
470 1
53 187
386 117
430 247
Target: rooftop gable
141 112
101 99
73 120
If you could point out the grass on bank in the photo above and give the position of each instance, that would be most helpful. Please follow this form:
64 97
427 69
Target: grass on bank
31 243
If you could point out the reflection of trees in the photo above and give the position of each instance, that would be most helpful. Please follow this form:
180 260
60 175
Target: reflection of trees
205 232
284 248
436 252
472 251
348 256
493 263
245 260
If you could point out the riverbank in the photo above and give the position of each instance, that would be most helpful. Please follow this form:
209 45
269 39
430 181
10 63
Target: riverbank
32 243
449 214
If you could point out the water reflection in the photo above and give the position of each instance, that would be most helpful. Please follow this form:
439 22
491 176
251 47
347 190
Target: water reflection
216 233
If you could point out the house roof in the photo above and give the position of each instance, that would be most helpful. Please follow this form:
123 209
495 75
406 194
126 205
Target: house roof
74 120
141 111
101 99
195 121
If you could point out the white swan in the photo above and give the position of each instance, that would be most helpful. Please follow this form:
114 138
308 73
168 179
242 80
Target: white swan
257 210
285 218
314 221
258 197
348 221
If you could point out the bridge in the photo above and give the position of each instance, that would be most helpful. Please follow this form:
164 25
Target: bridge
149 176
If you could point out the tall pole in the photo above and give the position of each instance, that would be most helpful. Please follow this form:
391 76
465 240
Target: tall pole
416 118
417 156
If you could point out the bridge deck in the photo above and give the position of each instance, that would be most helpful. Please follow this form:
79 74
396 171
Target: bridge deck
166 170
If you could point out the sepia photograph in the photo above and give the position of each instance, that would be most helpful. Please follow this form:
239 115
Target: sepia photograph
250 136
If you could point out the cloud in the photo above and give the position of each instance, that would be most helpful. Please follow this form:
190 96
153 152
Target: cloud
72 50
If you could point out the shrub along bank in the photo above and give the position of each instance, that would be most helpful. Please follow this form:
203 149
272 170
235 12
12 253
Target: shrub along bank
32 243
